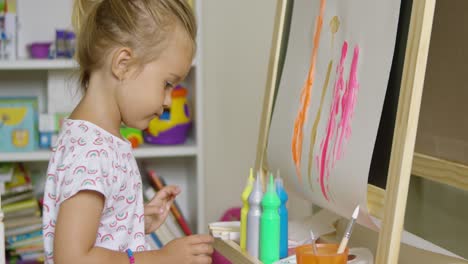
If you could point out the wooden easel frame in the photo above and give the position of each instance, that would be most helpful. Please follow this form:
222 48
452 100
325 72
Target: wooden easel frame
399 173
388 205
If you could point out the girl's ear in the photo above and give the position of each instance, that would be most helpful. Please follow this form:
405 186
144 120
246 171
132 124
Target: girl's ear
121 63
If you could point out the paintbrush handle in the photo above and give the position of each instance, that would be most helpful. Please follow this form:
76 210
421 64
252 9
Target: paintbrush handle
343 244
344 241
314 248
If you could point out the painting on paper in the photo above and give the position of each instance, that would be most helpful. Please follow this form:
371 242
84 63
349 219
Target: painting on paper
330 98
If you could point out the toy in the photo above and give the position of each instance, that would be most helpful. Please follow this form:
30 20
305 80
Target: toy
59 119
174 124
47 131
18 130
135 136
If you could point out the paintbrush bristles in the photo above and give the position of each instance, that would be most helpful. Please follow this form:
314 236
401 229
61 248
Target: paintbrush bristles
356 212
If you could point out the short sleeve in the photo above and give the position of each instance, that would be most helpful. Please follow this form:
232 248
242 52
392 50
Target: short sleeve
88 171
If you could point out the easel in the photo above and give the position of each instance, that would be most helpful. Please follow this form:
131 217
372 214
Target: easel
394 199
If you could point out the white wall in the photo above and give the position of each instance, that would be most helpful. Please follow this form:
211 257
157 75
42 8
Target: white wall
236 45
38 20
236 40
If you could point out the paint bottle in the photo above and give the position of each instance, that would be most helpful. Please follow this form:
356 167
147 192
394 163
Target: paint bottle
245 210
253 218
283 213
270 225
60 44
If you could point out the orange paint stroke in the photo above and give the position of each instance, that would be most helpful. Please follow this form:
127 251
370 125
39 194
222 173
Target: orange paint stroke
313 134
298 133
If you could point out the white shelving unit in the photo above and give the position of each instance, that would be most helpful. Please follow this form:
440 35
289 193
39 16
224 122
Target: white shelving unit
189 149
38 64
43 64
51 81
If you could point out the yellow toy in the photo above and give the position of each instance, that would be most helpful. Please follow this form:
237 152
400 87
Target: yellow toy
174 124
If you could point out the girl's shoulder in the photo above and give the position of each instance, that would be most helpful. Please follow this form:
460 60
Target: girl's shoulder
84 140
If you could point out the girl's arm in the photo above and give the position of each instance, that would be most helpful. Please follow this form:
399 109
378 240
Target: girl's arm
75 234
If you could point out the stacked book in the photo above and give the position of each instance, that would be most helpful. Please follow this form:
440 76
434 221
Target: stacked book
175 225
22 216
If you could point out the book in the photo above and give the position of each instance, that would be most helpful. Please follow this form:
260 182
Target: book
23 230
6 172
21 237
12 191
164 234
174 226
32 248
18 206
20 177
20 196
22 221
19 182
37 240
158 183
156 240
23 213
150 242
37 256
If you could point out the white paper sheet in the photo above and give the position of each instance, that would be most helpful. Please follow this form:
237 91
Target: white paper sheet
355 48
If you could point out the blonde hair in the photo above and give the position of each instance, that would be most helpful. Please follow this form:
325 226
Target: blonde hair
142 25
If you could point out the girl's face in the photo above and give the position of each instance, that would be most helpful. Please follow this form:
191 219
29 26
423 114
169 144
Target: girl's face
144 95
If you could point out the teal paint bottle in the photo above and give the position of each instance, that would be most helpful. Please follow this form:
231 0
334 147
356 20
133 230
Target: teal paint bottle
270 225
283 213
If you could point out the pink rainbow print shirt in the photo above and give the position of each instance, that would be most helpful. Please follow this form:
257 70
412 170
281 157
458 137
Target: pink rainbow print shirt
89 158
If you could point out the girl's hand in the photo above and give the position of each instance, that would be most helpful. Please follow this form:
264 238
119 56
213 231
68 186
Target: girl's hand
157 210
194 249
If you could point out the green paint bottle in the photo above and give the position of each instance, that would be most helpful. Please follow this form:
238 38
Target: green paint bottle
270 225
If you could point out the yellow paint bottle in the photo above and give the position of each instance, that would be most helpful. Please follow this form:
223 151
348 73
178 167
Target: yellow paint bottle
245 209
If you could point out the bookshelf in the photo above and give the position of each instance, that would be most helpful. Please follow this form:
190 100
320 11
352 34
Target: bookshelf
54 83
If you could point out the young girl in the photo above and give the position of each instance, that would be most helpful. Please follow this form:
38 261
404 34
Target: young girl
131 54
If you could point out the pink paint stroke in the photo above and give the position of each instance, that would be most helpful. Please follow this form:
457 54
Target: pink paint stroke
330 129
336 134
348 103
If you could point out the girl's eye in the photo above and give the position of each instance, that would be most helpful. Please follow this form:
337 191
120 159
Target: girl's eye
169 85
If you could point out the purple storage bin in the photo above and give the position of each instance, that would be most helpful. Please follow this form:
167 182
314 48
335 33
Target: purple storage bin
39 50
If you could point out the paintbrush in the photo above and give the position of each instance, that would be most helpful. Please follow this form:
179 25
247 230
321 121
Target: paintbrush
348 232
314 246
